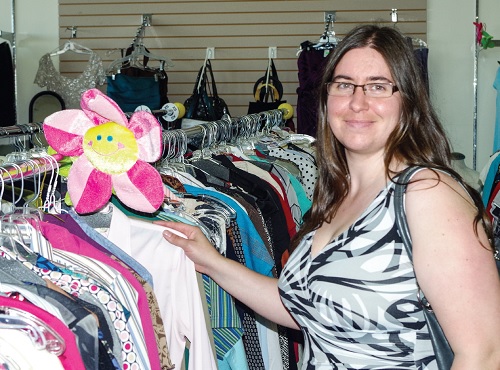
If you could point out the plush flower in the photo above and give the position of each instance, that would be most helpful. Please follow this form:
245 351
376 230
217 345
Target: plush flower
112 154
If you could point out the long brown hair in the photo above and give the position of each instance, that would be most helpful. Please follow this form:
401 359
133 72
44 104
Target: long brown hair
418 139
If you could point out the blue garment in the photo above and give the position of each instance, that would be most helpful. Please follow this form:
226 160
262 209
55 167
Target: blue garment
225 321
257 257
490 179
130 91
304 202
496 138
112 248
234 359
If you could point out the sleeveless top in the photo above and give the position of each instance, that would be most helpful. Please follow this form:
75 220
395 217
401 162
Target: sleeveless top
356 301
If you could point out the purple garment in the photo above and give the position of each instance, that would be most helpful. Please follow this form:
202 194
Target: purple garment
311 63
422 55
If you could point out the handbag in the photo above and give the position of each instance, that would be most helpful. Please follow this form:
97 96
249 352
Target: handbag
205 104
267 92
442 350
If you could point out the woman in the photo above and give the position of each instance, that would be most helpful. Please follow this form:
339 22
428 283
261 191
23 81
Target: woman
349 284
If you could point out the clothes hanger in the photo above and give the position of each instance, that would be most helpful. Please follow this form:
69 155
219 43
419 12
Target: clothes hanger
328 39
51 204
70 45
174 149
418 43
137 52
25 220
15 220
41 334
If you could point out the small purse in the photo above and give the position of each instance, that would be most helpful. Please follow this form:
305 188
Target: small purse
267 91
205 104
443 352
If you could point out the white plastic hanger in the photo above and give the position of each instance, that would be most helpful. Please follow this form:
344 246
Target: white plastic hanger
71 46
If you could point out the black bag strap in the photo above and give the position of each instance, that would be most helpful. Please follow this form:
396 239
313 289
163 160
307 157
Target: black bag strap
268 85
444 354
211 84
200 92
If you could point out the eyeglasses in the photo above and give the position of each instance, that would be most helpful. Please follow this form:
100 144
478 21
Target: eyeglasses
372 90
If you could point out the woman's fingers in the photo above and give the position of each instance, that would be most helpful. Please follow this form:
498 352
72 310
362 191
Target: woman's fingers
196 246
188 230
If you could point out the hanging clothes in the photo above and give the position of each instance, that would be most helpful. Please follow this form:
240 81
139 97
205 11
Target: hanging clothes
7 92
135 86
311 63
70 89
96 274
496 137
421 52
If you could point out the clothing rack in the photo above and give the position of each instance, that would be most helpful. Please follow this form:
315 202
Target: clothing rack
21 129
27 168
14 134
228 129
25 163
477 49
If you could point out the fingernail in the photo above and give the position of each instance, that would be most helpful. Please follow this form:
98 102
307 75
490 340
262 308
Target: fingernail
167 234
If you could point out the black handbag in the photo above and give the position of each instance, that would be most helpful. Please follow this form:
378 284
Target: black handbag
205 104
443 352
267 91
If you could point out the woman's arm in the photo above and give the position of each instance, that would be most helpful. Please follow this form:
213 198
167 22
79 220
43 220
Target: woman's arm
255 290
457 274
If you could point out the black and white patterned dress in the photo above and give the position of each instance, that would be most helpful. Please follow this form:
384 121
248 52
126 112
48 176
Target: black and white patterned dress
356 300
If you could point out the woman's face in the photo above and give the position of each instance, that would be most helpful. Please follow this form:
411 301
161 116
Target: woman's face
362 123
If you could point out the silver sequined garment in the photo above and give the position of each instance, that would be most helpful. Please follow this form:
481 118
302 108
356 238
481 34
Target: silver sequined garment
70 89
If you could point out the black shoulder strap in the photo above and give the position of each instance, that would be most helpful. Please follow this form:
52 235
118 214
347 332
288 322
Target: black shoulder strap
399 207
442 350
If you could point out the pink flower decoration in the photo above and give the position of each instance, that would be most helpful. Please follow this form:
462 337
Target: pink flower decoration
112 154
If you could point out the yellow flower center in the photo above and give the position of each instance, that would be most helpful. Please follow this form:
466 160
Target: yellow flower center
111 148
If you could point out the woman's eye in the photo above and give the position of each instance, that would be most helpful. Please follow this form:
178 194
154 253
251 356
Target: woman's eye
344 86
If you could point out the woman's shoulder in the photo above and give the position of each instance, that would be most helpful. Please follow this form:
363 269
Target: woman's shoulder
436 190
432 180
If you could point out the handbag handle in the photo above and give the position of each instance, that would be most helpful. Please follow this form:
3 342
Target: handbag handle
268 85
200 91
211 84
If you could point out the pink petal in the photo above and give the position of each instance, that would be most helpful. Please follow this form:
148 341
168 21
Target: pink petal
64 131
147 131
89 188
141 188
101 109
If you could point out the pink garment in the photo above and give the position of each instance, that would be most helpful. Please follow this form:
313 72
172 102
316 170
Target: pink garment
62 239
71 358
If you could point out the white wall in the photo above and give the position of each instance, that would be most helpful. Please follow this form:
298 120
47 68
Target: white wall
451 64
37 31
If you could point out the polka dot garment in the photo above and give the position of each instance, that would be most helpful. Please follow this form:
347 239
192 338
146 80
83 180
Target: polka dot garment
308 170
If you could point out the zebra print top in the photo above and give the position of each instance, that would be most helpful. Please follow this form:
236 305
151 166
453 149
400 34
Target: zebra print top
356 301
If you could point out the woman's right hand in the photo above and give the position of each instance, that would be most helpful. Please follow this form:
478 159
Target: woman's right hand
196 246
257 291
